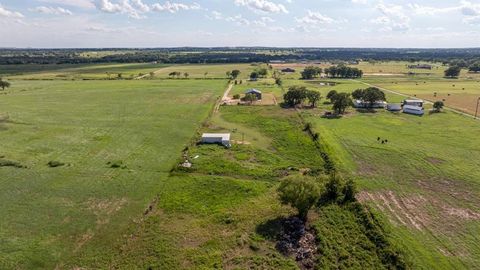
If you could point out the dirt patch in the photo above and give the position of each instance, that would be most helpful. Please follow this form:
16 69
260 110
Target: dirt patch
104 209
84 238
420 212
464 102
434 160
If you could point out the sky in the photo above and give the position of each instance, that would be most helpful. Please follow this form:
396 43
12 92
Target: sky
217 23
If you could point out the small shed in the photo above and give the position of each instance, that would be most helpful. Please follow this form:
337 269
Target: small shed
394 107
413 110
413 102
256 92
288 70
217 138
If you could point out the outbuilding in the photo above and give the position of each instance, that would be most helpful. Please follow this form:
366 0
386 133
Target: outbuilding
217 138
394 107
288 70
413 102
256 92
413 110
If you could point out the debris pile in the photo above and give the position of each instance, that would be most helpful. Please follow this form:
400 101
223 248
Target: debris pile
298 241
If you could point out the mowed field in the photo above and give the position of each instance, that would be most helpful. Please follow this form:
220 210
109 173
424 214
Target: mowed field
53 216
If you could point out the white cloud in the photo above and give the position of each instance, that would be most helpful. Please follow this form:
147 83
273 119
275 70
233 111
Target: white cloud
313 17
10 14
364 2
175 7
238 19
393 19
262 6
73 3
52 10
141 6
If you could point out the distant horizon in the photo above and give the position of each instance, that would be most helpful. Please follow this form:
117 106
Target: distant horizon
239 47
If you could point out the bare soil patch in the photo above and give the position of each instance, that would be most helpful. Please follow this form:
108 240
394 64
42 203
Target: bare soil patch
463 102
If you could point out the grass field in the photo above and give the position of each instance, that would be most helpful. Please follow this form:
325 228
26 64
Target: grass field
424 180
121 202
50 215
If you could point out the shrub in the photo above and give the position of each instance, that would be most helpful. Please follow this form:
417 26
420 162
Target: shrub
54 164
301 193
236 96
438 106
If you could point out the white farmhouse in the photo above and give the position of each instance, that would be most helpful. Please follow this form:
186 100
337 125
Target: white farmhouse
218 138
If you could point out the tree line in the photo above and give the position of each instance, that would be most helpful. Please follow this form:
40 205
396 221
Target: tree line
459 57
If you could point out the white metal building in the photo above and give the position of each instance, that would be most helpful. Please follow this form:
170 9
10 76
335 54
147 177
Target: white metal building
413 110
413 102
219 138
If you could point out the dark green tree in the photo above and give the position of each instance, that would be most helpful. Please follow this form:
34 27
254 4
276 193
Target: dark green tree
342 102
235 73
438 106
332 95
311 72
453 72
4 84
313 97
254 76
295 95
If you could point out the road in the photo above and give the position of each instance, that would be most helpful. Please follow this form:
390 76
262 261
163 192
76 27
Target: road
147 75
224 98
426 101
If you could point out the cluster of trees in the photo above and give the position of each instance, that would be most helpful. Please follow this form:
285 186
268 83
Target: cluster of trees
296 95
303 193
311 72
342 71
176 74
369 96
453 72
258 73
475 67
232 74
4 84
340 101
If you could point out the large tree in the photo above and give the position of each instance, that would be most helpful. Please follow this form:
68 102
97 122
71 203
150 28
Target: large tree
341 102
4 84
254 76
369 95
313 97
295 95
453 72
331 95
301 193
235 73
311 72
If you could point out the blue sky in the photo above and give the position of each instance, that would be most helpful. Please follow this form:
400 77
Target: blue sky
210 23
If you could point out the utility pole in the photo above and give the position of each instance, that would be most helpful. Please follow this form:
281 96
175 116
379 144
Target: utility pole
476 112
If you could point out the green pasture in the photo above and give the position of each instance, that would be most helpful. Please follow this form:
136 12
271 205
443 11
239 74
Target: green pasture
54 216
79 72
428 165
